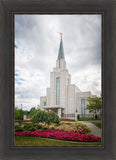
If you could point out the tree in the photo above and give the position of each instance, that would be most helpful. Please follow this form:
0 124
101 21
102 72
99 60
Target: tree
17 115
39 116
94 104
32 111
47 117
52 117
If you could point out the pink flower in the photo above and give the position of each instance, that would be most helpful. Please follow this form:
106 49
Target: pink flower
60 135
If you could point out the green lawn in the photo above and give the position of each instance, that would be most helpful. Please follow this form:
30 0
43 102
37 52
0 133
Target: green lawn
93 121
43 141
89 119
98 125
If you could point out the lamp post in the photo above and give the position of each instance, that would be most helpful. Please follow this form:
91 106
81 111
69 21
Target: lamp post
21 106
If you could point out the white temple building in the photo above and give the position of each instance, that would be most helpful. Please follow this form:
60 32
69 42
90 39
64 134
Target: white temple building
63 97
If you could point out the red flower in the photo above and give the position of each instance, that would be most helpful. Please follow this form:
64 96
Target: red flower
60 135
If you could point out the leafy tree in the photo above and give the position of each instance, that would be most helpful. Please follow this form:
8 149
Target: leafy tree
17 114
47 117
52 117
21 113
33 111
25 112
39 116
94 105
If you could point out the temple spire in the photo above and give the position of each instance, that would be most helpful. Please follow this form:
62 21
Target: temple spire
61 50
60 34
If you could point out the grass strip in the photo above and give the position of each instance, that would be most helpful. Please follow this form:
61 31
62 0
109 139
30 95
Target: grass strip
44 141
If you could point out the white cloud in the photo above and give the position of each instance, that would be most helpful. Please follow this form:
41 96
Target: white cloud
37 41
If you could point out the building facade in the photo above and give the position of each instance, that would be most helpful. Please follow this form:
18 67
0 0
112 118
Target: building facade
62 97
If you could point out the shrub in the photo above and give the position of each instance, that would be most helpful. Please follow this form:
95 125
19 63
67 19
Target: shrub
39 116
57 124
78 116
39 126
47 117
73 120
75 127
32 111
19 129
30 122
52 117
44 128
52 128
96 116
31 129
27 126
82 128
65 127
35 125
68 124
23 123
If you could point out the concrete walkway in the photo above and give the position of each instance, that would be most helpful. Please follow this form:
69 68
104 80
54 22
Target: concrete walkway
94 129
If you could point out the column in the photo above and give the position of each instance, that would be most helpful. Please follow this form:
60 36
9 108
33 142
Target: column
59 112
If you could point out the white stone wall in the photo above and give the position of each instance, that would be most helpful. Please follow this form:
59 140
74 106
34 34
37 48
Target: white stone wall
42 100
72 89
63 88
65 78
70 94
52 89
77 89
60 63
48 96
79 96
71 99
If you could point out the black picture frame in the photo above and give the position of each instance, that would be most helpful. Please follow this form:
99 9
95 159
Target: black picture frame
7 10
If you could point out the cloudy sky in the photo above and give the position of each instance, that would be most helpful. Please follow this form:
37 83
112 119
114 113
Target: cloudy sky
36 49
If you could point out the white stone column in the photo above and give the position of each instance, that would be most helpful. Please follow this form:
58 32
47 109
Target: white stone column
25 117
59 112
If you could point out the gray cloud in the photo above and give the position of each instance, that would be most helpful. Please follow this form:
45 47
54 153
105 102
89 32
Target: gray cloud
38 41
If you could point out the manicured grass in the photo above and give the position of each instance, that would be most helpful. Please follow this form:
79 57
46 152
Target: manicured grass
92 121
88 119
79 123
98 125
44 141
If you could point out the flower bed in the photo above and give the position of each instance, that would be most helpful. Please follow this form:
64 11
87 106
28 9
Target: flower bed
60 135
70 127
22 120
76 128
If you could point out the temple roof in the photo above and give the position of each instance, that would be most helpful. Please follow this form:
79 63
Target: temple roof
61 51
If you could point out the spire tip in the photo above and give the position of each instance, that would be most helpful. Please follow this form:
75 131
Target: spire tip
61 34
